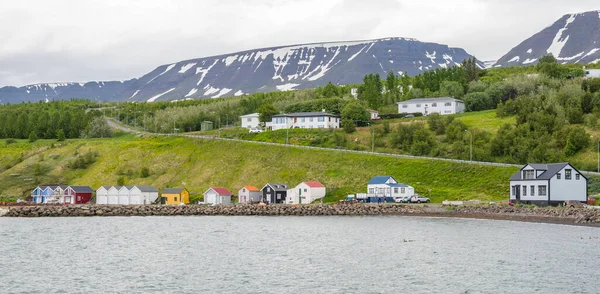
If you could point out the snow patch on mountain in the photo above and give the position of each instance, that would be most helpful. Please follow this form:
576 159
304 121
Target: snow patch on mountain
186 67
191 92
287 87
170 67
159 95
222 93
238 93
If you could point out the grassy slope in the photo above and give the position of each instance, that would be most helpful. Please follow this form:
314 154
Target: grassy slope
201 164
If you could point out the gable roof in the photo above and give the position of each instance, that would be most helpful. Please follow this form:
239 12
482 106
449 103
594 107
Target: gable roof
431 100
173 190
251 115
380 180
549 170
82 189
251 188
314 184
221 191
277 187
146 188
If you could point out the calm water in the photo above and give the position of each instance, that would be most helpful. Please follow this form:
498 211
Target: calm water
295 255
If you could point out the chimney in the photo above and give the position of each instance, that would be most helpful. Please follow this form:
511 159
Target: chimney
323 111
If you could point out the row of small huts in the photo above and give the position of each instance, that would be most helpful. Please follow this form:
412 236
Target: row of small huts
271 193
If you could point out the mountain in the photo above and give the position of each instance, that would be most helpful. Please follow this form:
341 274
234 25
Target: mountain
260 70
574 38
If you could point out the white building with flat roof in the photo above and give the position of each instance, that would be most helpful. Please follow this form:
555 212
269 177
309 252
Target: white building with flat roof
250 121
305 120
427 106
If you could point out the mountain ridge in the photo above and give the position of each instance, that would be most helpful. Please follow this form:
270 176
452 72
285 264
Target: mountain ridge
276 68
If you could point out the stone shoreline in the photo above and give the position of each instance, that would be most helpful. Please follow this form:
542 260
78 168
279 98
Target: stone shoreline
581 216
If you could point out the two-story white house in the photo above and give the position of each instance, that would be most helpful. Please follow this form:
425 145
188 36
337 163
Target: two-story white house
427 106
250 121
305 120
548 184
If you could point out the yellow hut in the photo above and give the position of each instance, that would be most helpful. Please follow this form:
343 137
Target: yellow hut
175 196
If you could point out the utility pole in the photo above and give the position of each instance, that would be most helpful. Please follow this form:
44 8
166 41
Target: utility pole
372 139
219 126
471 149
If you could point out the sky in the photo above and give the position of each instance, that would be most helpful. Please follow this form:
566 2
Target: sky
103 40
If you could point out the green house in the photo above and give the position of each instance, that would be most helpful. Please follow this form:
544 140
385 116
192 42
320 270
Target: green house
206 125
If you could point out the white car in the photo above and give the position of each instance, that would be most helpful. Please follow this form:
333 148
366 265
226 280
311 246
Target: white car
256 130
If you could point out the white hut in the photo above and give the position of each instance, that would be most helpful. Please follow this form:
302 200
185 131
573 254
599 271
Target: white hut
102 195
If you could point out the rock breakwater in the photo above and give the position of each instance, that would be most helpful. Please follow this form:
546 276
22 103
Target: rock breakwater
559 215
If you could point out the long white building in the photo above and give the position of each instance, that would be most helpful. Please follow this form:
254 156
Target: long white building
305 120
126 195
427 106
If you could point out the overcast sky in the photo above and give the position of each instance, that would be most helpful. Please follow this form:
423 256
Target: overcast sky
90 40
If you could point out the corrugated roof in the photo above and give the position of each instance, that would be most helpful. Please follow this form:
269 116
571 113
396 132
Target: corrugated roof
550 170
277 186
221 191
430 100
379 180
305 114
250 115
147 188
314 184
82 189
252 188
172 190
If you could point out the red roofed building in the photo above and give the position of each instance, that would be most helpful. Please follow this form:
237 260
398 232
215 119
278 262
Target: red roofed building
217 196
306 193
249 194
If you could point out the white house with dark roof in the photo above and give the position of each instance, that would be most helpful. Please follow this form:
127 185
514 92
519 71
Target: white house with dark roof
305 120
548 184
250 121
427 106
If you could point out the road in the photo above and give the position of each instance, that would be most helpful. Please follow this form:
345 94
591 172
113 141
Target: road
119 126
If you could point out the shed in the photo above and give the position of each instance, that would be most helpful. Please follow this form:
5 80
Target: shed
249 194
273 193
217 195
78 194
306 193
175 196
206 125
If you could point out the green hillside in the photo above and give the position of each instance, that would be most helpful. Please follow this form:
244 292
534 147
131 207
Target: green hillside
201 164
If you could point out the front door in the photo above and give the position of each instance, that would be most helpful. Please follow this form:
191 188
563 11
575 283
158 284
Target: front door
299 196
518 192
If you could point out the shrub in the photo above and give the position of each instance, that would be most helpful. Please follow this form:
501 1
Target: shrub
121 181
349 126
10 141
32 137
60 135
145 172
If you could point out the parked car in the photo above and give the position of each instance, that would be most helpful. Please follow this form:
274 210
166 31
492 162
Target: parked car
256 130
409 116
404 199
574 204
419 199
592 201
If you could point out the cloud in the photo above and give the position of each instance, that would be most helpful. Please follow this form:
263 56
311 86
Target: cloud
71 40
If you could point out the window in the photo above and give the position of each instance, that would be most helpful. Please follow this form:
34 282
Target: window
305 190
433 104
321 126
321 118
330 119
577 177
268 189
524 190
514 190
418 105
558 176
532 190
404 106
310 119
541 190
447 104
395 190
175 198
402 190
528 174
248 119
303 119
447 111
568 173
371 191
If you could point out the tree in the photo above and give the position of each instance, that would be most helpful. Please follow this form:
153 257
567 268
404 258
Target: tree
266 112
578 139
451 89
121 181
99 128
355 112
60 135
391 83
349 126
478 101
145 172
32 137
371 91
548 65
330 90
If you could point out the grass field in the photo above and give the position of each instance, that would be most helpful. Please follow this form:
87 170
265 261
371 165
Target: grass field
199 164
